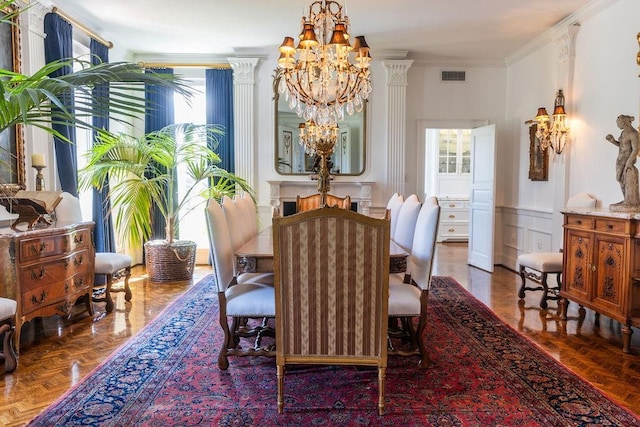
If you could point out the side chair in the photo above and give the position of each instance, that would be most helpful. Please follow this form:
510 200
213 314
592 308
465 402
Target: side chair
406 222
113 266
314 201
8 309
393 206
249 296
332 291
537 266
408 295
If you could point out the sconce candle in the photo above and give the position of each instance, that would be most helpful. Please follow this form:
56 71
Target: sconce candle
37 160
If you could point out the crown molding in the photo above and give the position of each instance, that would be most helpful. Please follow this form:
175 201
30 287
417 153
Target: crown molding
558 30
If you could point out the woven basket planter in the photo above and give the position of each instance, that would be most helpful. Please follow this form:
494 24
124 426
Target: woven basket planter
170 262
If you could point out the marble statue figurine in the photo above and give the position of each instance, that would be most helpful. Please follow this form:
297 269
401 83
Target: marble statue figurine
626 170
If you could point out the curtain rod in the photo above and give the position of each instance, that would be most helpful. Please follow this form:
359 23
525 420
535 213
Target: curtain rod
82 27
181 65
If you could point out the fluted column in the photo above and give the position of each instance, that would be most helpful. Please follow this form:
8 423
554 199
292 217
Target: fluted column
243 117
396 122
566 44
36 140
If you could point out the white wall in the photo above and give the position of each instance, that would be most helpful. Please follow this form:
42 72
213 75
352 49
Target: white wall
605 84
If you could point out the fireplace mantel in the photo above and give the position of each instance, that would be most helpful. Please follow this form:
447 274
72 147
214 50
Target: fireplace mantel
282 191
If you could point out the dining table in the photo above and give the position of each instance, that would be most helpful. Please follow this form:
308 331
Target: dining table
256 255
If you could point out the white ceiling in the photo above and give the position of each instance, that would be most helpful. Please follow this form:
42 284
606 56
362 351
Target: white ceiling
435 30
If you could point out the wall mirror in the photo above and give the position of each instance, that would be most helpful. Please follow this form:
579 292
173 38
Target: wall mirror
12 173
348 157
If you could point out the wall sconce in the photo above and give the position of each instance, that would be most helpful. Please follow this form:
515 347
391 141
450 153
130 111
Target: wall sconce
553 131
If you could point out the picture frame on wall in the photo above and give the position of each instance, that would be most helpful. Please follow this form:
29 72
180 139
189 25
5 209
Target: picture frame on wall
12 167
538 158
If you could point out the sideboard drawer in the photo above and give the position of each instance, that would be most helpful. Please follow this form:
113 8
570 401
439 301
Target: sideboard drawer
41 296
42 247
609 225
580 221
56 270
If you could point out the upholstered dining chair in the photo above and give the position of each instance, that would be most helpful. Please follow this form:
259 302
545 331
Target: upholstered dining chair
108 265
332 291
405 227
314 201
408 295
248 209
8 309
537 266
239 298
393 206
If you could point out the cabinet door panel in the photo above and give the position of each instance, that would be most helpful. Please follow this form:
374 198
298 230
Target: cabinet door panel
577 277
611 276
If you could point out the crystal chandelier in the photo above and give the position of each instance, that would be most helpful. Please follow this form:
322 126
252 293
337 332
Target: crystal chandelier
553 131
325 74
321 141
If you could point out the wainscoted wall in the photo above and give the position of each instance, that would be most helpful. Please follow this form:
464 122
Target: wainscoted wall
522 231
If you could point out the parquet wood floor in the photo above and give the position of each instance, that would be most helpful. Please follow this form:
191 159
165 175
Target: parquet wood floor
56 353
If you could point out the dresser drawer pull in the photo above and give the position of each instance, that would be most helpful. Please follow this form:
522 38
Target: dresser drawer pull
579 222
610 226
35 300
452 205
452 216
36 250
78 240
35 275
77 260
451 230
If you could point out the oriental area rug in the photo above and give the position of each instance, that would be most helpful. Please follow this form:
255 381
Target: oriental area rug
482 373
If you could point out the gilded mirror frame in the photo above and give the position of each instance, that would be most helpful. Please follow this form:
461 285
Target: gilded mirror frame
12 173
352 142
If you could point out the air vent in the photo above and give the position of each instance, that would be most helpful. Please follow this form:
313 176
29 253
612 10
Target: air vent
453 76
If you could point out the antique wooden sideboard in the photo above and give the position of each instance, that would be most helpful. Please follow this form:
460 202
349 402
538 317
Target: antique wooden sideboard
601 268
47 269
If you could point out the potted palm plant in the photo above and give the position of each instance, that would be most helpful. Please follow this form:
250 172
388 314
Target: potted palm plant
143 173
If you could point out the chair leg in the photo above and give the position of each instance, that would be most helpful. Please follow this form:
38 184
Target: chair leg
107 293
280 376
8 350
382 372
422 324
127 289
545 291
223 361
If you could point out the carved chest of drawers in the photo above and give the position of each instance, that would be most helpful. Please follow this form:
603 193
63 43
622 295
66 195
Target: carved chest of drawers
47 270
601 268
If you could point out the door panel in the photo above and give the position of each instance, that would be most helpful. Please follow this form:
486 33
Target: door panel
482 200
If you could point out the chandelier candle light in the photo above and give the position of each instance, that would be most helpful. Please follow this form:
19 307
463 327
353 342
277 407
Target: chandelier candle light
553 131
324 76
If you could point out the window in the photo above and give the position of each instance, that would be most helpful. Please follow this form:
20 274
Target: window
454 151
193 224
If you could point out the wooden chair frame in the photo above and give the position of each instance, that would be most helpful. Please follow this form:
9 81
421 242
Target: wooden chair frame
343 256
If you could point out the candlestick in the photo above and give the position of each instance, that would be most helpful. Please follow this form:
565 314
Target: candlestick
37 160
39 178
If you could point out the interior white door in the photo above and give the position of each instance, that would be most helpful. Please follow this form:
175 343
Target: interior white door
482 200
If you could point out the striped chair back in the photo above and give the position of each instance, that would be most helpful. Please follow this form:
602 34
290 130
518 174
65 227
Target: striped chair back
332 290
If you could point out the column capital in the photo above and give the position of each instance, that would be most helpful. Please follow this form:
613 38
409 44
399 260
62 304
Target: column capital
243 69
397 71
567 43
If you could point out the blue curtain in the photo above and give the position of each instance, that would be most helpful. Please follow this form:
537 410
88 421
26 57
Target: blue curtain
58 45
219 91
159 104
103 232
